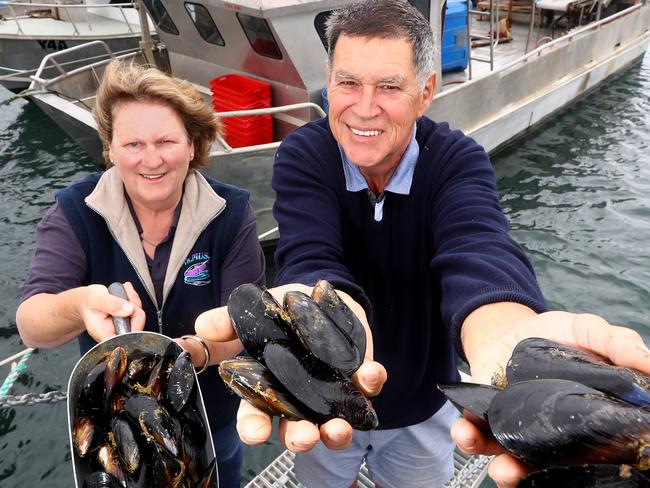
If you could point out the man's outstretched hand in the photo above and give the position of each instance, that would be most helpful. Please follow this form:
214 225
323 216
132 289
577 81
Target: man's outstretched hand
254 426
488 341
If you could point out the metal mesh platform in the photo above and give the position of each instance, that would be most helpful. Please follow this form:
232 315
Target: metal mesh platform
469 472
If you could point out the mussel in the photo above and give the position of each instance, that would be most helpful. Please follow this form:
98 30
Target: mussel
595 475
580 422
304 353
252 381
136 420
537 358
320 335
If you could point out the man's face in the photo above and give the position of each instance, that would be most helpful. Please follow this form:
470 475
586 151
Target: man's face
374 100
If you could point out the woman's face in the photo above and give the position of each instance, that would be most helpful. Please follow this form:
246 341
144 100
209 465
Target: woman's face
151 151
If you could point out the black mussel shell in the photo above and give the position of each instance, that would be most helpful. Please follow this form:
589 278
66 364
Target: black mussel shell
99 479
157 425
472 400
252 381
180 383
537 358
126 444
190 455
109 461
86 435
168 471
592 475
336 309
115 371
320 388
92 390
548 422
320 335
191 418
209 479
140 365
257 318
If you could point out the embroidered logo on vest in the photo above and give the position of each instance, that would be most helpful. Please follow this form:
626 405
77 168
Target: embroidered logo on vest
198 271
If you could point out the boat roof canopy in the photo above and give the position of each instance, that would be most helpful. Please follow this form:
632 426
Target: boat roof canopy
272 8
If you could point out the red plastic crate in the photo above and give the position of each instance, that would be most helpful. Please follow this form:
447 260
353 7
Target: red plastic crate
240 90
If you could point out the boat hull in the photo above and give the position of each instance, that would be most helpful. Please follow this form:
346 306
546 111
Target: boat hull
21 54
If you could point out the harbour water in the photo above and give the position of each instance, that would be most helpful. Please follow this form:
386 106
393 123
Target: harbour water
577 193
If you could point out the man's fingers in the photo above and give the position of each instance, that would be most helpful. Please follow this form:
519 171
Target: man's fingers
370 377
299 436
215 325
253 425
336 434
626 348
471 440
506 471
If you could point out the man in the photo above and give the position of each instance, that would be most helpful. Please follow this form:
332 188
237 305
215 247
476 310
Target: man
402 214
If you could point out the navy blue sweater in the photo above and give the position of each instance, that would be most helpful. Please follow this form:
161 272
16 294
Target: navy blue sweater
438 253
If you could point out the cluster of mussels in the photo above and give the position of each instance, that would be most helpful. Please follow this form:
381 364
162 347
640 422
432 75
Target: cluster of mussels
301 355
571 412
136 423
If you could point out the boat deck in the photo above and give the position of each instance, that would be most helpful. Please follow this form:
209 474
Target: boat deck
504 52
469 472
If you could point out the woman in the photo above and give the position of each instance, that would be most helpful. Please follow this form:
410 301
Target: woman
180 241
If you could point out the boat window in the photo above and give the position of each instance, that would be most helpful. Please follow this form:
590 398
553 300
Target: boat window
260 36
160 16
319 23
424 6
204 24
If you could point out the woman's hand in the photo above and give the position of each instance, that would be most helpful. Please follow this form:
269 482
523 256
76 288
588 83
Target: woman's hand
254 426
97 307
489 340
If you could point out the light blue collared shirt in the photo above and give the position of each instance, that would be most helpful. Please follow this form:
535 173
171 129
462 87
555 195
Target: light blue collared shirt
400 181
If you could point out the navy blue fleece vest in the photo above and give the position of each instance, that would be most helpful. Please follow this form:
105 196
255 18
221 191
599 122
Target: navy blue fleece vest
106 263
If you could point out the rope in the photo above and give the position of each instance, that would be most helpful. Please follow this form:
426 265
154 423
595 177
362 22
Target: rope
7 400
13 376
29 350
25 93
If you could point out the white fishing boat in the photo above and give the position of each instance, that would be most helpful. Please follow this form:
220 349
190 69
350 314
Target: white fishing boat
29 30
495 86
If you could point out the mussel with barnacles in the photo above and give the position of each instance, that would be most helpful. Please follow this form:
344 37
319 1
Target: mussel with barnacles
303 353
136 422
559 406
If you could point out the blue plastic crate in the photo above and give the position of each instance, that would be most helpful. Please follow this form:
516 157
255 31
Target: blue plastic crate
454 37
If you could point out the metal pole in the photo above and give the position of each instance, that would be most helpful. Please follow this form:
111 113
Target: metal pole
532 23
146 44
436 24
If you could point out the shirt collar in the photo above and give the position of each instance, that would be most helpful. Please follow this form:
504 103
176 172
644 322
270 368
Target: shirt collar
401 179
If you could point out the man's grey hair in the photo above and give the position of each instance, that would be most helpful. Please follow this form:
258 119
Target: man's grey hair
385 19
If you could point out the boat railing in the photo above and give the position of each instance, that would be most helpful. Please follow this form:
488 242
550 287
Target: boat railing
569 37
51 61
75 14
227 149
573 34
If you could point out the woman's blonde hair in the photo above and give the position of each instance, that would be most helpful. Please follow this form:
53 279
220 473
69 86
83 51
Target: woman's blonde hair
124 82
